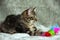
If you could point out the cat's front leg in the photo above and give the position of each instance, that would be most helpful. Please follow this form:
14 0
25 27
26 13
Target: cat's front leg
33 30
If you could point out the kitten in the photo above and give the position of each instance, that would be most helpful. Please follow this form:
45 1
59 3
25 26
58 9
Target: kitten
22 23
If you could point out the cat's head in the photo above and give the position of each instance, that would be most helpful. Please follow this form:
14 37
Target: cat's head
29 15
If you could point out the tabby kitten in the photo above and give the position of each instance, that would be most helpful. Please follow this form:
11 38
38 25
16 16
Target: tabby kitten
22 23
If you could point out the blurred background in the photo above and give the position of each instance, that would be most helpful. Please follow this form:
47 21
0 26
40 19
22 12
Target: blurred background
48 11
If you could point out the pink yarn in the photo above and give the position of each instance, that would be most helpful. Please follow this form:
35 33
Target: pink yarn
56 30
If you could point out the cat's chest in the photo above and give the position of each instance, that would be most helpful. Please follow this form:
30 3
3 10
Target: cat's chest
31 25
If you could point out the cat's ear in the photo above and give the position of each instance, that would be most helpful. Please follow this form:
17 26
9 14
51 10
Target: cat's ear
30 10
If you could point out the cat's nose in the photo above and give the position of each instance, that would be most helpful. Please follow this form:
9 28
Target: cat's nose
35 19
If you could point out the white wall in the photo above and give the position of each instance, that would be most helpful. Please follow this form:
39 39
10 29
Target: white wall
48 11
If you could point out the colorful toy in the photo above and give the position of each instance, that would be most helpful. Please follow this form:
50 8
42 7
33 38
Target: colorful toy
53 31
56 28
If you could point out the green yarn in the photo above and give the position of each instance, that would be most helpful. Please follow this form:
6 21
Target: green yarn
51 32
